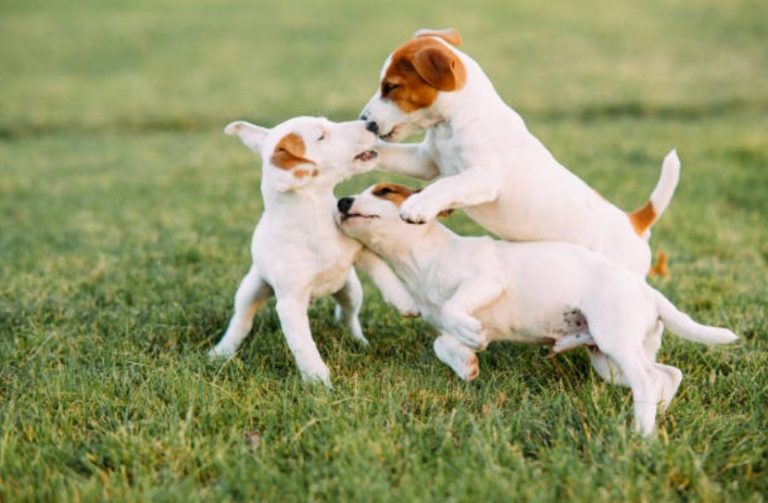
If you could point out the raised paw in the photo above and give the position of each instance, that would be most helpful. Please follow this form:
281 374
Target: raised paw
472 367
469 331
409 310
460 358
414 211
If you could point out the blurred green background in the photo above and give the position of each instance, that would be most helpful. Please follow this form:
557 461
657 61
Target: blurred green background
125 218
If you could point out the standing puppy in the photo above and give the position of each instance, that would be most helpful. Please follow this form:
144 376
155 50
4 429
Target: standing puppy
298 252
476 290
487 161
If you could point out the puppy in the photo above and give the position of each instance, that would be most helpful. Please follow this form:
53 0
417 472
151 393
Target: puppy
298 252
486 161
475 290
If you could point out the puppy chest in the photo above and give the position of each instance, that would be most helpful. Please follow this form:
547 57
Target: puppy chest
449 159
330 279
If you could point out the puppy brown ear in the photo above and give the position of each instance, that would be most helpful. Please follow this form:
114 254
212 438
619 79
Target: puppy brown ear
450 35
445 213
289 152
440 67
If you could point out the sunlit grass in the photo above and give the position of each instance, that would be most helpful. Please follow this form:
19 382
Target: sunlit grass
125 219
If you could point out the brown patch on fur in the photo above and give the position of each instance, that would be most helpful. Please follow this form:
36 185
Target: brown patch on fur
393 192
450 35
419 69
399 193
642 218
301 173
661 268
289 153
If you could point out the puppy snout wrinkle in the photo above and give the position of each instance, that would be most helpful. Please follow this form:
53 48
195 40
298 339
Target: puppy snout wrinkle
344 204
373 127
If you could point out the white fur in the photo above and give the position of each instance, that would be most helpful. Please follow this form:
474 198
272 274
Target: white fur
486 161
476 290
298 252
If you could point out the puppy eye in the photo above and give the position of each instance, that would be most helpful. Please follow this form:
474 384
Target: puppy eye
322 136
382 192
388 87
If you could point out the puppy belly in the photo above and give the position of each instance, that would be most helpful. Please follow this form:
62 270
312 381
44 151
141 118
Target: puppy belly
571 331
565 330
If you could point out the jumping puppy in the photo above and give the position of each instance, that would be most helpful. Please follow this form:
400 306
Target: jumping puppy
475 290
487 162
298 252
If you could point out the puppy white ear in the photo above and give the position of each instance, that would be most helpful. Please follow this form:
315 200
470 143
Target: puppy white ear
251 135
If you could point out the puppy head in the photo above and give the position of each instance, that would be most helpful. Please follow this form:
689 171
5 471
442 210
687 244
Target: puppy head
309 150
413 79
373 217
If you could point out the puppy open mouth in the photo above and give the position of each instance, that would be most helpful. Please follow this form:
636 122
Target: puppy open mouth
348 216
366 156
390 135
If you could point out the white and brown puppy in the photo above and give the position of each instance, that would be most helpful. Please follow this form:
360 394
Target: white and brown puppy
476 290
486 161
298 252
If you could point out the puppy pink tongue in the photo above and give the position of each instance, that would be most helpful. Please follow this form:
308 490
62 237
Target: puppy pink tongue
367 155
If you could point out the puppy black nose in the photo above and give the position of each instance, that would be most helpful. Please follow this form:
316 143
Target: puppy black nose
373 127
344 204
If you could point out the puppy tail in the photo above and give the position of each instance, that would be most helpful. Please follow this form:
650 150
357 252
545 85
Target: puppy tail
643 218
682 325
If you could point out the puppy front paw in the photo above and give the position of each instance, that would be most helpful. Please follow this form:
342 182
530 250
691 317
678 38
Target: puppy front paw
469 331
402 301
220 352
416 211
407 308
318 373
472 369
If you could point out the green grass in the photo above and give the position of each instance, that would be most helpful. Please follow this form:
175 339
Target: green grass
125 218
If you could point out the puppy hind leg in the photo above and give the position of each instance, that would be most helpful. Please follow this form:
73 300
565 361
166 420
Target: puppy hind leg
349 301
459 357
646 389
252 293
606 368
670 378
652 341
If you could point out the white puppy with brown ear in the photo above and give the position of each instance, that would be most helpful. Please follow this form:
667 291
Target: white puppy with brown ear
475 290
483 158
298 252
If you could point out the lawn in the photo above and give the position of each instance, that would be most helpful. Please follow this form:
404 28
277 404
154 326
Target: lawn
125 221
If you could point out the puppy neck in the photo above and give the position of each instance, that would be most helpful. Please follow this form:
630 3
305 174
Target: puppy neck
413 256
478 92
314 198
